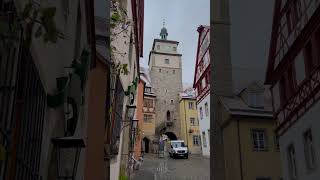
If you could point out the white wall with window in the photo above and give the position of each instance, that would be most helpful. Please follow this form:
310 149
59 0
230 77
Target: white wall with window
204 123
259 139
300 147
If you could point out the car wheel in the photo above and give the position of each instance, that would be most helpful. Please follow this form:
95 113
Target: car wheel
187 157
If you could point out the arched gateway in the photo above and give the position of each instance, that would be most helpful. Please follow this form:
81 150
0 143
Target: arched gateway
171 135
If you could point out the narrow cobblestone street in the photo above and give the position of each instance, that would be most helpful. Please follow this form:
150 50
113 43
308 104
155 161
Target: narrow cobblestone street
154 168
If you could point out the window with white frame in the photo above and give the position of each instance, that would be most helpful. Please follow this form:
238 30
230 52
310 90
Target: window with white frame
206 109
196 140
147 89
204 139
309 150
193 121
203 83
292 162
147 118
201 113
259 139
148 103
191 105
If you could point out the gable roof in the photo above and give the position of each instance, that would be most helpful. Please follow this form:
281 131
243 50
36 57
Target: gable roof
200 29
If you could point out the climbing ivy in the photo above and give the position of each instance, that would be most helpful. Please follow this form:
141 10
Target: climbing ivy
119 24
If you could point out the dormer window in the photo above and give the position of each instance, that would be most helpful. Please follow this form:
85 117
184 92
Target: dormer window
147 89
255 100
166 61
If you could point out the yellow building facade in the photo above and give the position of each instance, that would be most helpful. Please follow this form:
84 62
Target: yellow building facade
190 132
251 148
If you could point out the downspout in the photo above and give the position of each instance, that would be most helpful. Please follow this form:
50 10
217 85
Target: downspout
239 146
185 121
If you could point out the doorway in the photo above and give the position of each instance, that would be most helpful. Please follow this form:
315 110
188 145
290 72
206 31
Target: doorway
146 143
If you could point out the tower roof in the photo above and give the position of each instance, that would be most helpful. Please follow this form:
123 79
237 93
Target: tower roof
164 32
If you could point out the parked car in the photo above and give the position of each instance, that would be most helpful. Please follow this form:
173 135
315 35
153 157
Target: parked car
177 148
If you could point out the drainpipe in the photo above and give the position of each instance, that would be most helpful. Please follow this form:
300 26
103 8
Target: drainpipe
185 121
239 146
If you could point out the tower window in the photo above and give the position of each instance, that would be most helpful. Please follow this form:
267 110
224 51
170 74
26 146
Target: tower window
166 61
168 116
171 101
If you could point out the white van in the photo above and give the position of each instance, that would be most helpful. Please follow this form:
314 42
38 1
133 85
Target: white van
177 148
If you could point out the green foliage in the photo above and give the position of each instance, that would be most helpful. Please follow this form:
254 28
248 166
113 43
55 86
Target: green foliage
32 17
115 17
123 175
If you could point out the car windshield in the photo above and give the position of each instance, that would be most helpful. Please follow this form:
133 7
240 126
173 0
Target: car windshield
178 144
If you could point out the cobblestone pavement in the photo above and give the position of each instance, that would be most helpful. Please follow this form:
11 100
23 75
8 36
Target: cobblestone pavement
154 168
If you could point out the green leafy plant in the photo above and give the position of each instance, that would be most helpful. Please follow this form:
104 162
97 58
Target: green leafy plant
35 21
123 175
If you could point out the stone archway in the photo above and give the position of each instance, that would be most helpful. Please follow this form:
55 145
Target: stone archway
171 135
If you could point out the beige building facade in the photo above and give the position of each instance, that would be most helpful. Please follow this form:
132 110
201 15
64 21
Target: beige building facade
190 130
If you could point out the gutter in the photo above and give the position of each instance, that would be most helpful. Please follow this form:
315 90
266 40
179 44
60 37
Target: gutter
239 147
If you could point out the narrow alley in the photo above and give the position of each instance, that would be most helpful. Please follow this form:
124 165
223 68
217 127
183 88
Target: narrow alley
196 167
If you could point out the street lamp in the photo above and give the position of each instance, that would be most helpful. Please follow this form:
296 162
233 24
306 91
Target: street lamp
134 124
68 152
131 109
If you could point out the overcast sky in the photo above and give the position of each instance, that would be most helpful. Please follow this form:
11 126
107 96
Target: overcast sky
182 18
